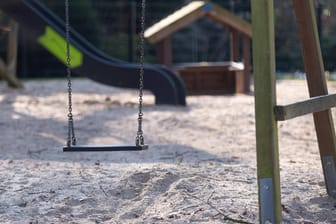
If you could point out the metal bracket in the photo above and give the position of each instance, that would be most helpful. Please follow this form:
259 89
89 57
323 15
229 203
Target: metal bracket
266 200
329 169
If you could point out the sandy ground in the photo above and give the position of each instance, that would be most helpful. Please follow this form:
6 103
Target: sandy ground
200 167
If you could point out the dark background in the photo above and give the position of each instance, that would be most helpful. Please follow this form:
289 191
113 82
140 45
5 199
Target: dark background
106 24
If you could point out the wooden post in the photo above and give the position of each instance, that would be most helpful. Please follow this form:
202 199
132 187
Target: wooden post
247 62
8 71
235 56
313 62
12 48
164 52
234 45
265 101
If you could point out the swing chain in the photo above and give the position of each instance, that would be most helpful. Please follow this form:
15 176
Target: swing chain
71 132
139 138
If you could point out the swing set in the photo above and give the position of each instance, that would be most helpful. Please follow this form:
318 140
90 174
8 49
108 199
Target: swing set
268 113
71 144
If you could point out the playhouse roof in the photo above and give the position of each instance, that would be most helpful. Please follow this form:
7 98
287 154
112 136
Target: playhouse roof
192 12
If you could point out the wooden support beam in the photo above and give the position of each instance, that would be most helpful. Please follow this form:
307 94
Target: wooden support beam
235 57
265 100
11 80
234 45
8 71
191 12
164 52
247 62
175 21
227 18
313 62
312 105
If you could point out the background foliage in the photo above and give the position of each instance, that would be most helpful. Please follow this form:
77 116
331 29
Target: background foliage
106 24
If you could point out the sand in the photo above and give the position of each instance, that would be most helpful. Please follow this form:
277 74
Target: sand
200 167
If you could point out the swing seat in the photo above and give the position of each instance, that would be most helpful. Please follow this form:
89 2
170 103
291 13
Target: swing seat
103 148
71 132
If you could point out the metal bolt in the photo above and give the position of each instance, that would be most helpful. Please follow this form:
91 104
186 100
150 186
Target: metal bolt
328 163
266 187
268 222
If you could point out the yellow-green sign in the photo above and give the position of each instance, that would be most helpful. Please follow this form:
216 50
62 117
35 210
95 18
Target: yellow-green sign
56 45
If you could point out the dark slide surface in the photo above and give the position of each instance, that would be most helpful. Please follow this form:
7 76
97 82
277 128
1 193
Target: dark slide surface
87 60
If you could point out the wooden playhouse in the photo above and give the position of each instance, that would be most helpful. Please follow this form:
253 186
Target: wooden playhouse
207 77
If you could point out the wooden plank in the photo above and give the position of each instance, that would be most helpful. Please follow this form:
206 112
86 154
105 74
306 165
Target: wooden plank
265 100
223 65
175 21
209 81
227 18
313 62
312 105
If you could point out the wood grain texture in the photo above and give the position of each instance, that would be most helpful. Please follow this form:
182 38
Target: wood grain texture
313 63
312 105
265 100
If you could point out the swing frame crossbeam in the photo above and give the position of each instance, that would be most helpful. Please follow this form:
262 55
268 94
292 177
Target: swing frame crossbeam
268 113
103 148
311 105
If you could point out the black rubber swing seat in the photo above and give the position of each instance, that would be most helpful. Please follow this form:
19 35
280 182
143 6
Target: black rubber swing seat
103 148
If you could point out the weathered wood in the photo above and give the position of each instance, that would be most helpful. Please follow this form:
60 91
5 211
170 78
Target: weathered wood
313 62
312 105
175 21
247 63
210 77
164 52
227 18
265 100
211 66
8 71
234 45
11 80
192 12
12 49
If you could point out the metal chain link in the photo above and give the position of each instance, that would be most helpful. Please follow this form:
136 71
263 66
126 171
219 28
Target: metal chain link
139 138
71 132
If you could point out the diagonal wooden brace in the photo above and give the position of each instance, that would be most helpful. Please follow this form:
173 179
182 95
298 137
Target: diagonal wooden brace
313 63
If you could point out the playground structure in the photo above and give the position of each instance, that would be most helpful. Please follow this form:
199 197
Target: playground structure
206 77
268 113
213 77
47 29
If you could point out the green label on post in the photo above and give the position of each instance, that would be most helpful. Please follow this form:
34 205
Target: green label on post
56 45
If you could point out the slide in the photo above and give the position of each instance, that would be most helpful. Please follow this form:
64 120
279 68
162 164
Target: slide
87 60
